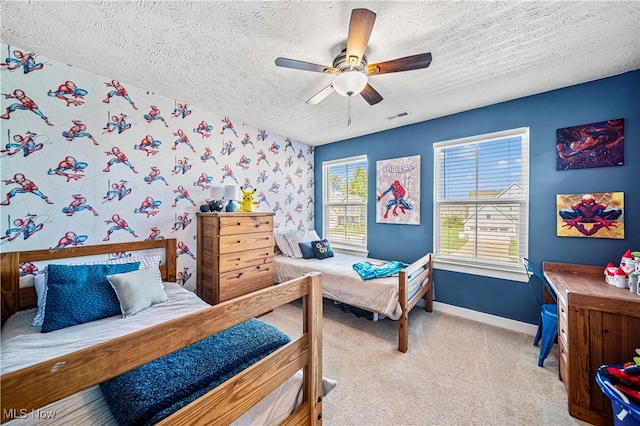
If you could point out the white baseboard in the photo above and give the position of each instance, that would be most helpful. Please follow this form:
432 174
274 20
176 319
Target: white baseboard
509 324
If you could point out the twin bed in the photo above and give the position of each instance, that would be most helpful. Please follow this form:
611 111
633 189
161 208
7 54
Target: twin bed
65 375
391 296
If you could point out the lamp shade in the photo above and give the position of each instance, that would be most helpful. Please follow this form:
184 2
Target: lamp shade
231 192
350 83
217 192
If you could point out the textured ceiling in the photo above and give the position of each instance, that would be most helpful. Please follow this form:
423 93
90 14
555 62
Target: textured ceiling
219 56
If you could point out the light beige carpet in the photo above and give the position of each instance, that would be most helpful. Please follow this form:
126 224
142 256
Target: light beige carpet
456 372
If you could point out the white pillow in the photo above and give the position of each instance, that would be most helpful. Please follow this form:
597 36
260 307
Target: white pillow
283 244
145 262
137 290
311 236
40 284
293 238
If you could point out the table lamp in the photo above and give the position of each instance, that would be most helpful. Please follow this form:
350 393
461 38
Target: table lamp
231 194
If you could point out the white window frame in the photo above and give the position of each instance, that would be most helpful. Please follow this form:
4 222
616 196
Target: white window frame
341 246
476 266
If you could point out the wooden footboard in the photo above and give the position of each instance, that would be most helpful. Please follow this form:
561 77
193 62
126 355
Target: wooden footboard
38 385
420 273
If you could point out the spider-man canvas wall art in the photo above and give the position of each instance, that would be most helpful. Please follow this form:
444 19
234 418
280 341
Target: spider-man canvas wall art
590 145
591 215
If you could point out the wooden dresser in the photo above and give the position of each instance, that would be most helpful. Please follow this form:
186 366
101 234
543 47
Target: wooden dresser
235 254
597 324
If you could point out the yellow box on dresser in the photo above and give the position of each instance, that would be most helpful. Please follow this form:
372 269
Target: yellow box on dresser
235 254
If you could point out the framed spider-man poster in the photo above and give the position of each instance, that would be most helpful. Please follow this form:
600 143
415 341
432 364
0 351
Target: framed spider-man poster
597 215
590 145
398 191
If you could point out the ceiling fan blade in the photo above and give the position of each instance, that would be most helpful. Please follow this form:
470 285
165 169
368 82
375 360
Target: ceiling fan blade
422 60
370 95
305 66
321 95
360 28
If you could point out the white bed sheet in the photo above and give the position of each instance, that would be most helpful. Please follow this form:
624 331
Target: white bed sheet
340 282
24 345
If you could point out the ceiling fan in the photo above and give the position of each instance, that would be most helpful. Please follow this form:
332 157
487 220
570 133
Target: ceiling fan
351 67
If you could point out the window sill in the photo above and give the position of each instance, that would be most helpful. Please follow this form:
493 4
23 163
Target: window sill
513 274
354 251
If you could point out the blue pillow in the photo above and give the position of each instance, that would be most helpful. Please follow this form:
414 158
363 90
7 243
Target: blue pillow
306 249
81 293
321 249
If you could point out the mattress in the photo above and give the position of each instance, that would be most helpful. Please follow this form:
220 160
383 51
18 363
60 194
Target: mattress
340 282
19 339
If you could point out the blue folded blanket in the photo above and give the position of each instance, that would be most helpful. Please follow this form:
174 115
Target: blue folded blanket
151 392
369 270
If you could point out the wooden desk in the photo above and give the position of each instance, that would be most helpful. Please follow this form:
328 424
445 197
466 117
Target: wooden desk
597 324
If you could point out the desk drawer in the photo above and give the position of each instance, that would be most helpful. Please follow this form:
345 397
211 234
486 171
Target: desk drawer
563 360
563 330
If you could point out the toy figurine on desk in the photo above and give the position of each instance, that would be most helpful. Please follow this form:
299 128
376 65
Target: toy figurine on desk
625 275
247 203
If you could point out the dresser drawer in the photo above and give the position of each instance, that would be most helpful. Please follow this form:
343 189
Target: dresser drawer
245 224
244 259
245 280
236 243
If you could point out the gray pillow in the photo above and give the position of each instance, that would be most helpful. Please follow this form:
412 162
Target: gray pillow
137 290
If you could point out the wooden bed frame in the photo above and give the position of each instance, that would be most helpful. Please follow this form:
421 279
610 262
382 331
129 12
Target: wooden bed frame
40 384
424 280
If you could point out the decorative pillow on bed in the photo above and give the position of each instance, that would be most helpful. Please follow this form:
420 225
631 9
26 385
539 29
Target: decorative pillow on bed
311 236
322 249
80 293
306 249
137 290
282 243
145 262
284 239
294 238
40 283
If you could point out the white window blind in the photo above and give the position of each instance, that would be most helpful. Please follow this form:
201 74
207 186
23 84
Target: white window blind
481 203
345 202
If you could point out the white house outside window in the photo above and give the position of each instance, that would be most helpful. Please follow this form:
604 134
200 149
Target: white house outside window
481 204
344 189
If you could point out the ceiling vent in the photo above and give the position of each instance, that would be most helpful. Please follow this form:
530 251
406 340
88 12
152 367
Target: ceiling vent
398 115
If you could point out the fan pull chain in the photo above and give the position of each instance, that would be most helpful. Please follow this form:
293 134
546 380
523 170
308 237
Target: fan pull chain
349 110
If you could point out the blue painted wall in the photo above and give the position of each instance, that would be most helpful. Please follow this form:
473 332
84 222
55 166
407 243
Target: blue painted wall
609 98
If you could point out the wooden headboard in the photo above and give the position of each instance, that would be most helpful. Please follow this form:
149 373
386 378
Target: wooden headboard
15 298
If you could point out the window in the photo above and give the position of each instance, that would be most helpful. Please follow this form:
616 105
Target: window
344 204
481 204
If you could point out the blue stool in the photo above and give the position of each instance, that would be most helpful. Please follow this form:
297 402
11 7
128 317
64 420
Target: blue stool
548 320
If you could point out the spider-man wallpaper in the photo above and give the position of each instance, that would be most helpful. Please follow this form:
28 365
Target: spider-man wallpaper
590 145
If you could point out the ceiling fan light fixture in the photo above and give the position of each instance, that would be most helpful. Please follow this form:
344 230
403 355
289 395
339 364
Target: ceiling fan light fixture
350 83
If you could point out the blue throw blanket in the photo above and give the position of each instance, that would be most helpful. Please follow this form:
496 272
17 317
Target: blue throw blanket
151 392
369 270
